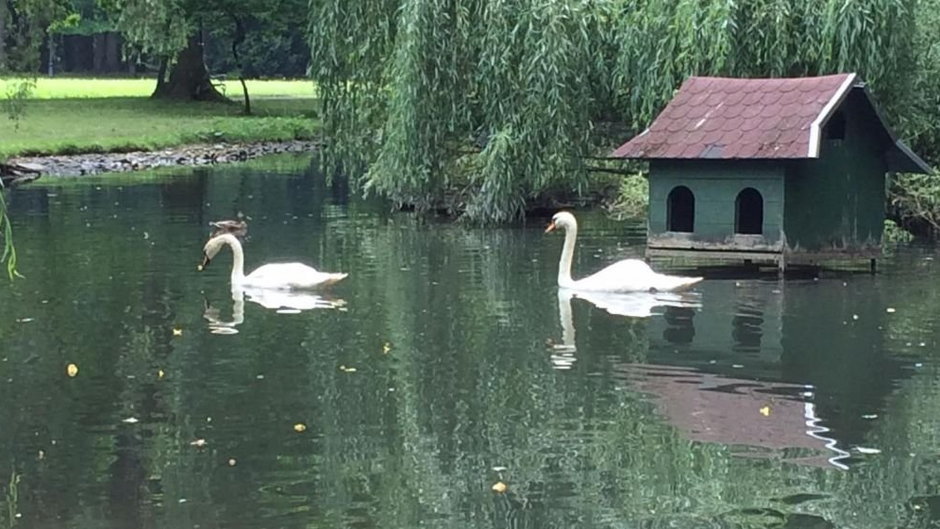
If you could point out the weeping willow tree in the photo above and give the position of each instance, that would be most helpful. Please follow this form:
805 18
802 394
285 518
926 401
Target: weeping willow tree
490 104
23 26
9 251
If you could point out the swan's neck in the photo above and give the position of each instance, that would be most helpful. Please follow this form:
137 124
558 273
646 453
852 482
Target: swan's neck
567 253
238 260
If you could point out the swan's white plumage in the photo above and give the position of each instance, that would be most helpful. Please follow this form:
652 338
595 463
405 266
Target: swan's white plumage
274 275
289 275
629 275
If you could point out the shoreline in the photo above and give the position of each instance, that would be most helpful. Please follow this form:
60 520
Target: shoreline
67 165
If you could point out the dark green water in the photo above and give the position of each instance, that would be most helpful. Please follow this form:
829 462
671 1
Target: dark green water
449 364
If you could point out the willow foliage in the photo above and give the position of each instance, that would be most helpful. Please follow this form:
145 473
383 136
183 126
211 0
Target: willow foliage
25 23
488 104
9 251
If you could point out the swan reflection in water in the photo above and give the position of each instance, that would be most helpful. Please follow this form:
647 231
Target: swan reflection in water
629 304
281 301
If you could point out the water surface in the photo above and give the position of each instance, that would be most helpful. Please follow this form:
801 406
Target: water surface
446 363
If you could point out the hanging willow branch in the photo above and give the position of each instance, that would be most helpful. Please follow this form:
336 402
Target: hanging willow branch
409 86
9 251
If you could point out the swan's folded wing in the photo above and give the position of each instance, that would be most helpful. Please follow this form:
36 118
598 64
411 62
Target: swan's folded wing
290 275
633 275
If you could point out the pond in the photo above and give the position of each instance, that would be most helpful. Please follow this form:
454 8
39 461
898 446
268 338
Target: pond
444 366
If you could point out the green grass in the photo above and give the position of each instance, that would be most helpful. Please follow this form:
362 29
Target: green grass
63 88
70 126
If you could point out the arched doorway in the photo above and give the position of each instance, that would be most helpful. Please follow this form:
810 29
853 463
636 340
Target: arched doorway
680 210
749 212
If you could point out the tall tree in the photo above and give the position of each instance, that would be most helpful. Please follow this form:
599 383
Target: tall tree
504 97
4 16
23 25
171 30
175 29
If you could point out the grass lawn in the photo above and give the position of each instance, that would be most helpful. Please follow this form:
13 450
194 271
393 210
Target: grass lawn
69 120
75 87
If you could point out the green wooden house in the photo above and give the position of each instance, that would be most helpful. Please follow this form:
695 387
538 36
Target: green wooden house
786 171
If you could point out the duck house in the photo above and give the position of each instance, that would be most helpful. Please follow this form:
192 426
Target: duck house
782 171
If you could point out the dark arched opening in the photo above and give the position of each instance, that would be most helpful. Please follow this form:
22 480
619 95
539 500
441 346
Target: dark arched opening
680 210
749 212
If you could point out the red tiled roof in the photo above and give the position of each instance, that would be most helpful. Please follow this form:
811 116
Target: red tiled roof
715 117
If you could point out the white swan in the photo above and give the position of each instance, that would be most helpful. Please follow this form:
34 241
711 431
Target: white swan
275 275
629 275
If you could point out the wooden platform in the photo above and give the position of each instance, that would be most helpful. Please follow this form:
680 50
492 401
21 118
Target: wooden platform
780 259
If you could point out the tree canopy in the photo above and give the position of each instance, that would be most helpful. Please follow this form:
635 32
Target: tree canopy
505 99
174 30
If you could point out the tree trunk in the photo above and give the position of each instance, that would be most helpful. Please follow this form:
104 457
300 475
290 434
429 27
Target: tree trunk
51 39
237 39
189 78
97 51
3 34
161 77
112 54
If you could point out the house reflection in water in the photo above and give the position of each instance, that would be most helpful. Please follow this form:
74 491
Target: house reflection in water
741 323
713 408
719 374
791 367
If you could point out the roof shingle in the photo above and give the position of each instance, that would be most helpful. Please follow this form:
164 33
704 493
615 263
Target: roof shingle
716 117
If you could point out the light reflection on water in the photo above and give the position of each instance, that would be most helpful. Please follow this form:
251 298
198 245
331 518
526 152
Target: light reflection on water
446 353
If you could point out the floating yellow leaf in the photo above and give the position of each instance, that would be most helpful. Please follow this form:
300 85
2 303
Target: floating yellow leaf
500 487
160 373
765 411
347 369
71 370
177 332
386 348
199 268
231 462
300 427
199 443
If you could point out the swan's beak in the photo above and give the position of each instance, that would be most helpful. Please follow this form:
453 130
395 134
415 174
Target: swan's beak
551 227
205 262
